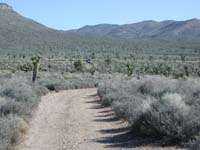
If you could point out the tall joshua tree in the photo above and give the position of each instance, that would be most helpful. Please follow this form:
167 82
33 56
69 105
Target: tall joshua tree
35 61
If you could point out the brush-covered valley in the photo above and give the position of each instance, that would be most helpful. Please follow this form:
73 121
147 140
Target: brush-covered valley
133 86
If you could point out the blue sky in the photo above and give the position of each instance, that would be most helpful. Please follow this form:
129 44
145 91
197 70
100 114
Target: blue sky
70 14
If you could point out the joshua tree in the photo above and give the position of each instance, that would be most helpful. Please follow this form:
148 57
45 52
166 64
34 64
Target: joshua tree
186 68
35 61
130 69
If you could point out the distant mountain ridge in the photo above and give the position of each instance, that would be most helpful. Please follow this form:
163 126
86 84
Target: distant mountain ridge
21 35
145 29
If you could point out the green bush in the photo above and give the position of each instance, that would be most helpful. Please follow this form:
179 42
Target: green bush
78 66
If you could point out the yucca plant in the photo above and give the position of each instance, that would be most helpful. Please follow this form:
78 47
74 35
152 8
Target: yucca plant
130 69
35 62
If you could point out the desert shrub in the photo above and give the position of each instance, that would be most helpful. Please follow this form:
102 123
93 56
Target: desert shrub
40 90
11 128
49 80
8 133
92 70
194 144
25 67
18 98
21 98
167 117
5 75
78 65
57 82
156 106
68 75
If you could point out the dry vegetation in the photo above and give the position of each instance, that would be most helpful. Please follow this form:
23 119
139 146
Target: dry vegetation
158 107
166 107
19 96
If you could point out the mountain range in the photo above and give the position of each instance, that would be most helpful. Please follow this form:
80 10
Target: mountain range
146 29
19 34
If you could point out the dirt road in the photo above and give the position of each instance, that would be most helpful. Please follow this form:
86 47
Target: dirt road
74 120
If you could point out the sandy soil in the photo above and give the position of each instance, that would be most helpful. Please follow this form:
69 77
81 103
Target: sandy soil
74 120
